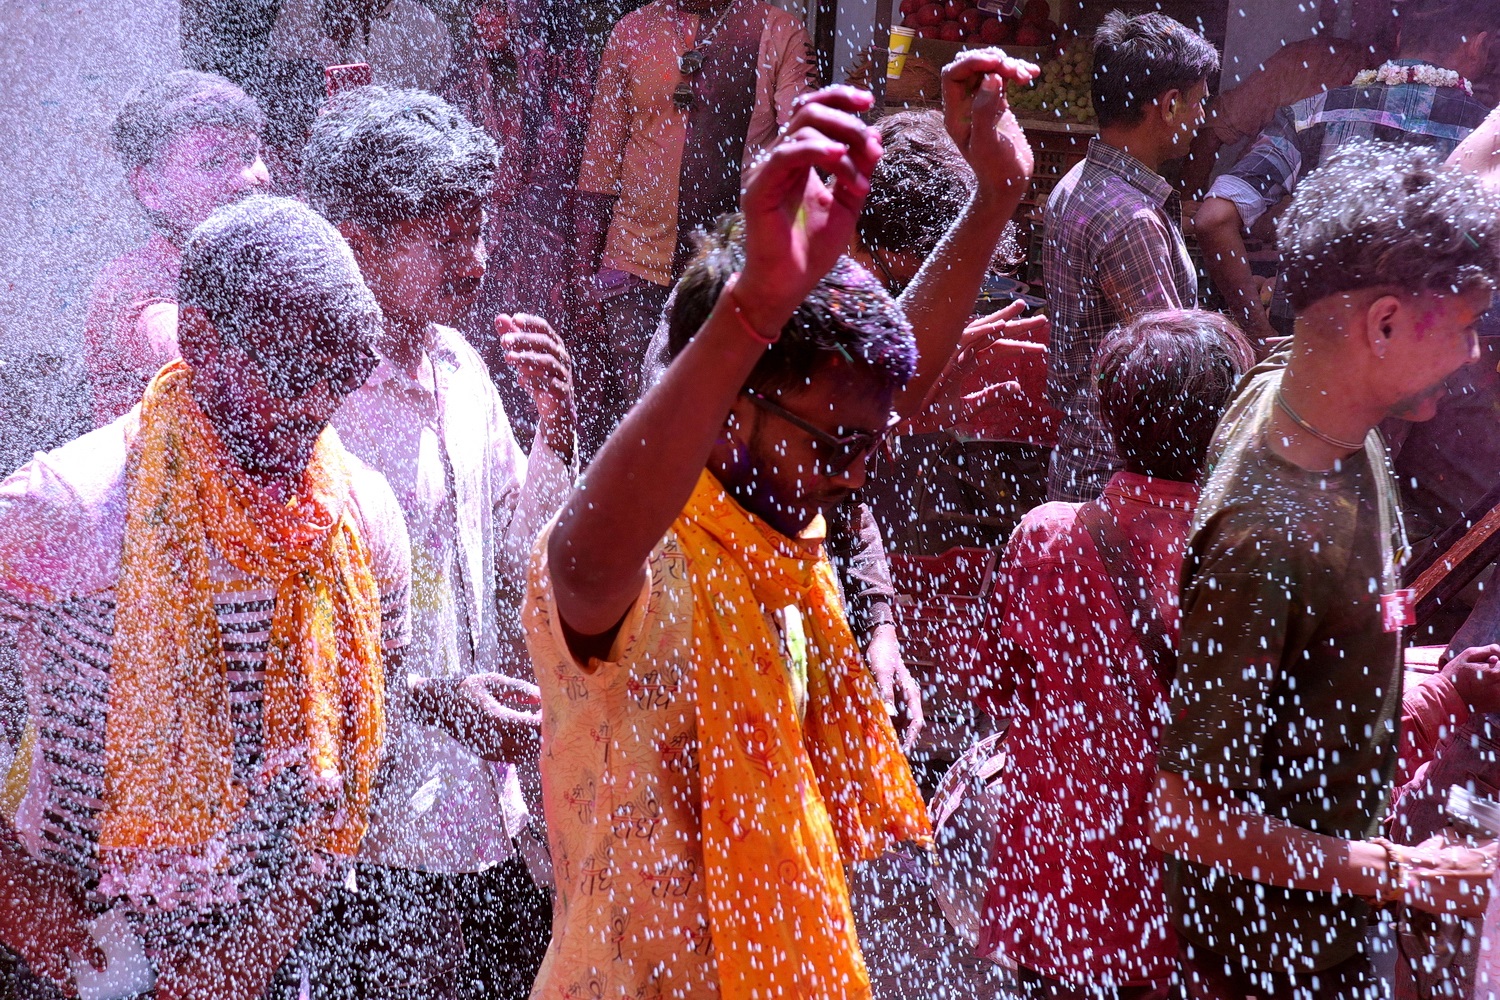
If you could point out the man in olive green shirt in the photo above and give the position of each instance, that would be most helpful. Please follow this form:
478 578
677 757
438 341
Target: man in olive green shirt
1277 763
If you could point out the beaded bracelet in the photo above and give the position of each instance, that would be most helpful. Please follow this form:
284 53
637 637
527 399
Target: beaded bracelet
739 313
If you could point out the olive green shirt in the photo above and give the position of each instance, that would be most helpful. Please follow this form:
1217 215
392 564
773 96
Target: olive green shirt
1288 690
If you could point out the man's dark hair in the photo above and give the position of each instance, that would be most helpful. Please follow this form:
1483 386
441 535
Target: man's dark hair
264 263
379 155
849 314
1138 58
1164 381
163 109
1382 214
1435 26
919 187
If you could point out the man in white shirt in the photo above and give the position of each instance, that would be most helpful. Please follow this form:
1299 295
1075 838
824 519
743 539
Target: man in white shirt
444 907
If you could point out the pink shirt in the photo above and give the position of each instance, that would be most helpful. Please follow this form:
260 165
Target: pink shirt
636 135
1079 891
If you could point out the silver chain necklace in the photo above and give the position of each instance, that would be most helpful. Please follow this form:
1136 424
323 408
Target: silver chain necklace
1309 428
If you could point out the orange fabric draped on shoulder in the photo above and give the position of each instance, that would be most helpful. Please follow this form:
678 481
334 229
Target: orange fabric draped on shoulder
785 803
168 739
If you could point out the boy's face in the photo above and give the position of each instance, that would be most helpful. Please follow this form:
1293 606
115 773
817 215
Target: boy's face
1432 336
199 171
426 270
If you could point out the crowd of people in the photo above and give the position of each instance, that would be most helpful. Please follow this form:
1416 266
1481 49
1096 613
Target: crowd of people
398 633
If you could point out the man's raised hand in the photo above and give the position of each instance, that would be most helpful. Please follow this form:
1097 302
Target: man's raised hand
979 120
797 223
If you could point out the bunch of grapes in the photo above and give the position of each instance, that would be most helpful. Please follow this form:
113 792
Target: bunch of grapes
1064 90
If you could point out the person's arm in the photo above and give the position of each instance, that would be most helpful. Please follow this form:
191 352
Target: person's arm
236 960
940 299
496 717
796 226
866 574
603 151
43 914
545 371
592 214
1480 152
1258 181
1209 826
1218 228
1432 711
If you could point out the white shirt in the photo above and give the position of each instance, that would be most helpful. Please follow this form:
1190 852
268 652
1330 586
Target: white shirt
474 505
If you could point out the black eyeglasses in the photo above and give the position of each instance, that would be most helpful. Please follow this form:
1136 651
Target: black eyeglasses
835 452
294 377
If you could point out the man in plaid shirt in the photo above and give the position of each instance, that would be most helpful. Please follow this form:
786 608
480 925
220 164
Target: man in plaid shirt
1445 41
1113 244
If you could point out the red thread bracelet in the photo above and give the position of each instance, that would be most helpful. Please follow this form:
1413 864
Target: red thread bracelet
739 313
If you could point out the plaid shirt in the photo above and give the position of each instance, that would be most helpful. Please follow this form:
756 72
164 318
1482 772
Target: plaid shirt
1302 135
1113 249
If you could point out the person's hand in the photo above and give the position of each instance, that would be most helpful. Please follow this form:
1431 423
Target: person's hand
1446 878
980 122
884 657
796 223
1003 324
1475 675
496 717
544 369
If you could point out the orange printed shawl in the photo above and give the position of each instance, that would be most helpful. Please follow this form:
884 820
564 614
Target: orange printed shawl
785 805
168 736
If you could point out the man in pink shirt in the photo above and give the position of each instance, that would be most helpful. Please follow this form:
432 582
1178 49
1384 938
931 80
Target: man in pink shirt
189 143
688 94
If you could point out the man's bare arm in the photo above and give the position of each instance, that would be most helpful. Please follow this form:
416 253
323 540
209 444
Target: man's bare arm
1218 228
796 227
1207 825
1480 152
940 299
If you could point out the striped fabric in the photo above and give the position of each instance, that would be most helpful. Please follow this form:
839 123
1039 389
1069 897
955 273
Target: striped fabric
61 518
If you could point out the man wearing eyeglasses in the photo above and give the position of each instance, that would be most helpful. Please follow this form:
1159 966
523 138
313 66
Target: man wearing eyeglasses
203 599
689 93
714 751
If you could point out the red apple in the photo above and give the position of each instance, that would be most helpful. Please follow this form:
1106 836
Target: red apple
930 15
1036 11
927 31
951 31
952 9
1030 34
910 7
996 32
971 19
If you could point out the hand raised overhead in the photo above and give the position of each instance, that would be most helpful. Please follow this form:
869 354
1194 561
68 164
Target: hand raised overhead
797 220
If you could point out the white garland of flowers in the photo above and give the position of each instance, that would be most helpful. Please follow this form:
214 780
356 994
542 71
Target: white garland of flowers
1394 74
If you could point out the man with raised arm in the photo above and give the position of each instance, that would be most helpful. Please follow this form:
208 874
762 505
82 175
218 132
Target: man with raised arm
713 749
1276 767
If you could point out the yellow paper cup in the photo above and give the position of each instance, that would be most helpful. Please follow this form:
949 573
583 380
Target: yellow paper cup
901 39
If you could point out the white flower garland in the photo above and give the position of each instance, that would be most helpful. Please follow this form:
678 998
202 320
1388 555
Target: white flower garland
1393 74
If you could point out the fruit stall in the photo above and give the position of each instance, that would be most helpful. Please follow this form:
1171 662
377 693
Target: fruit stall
1057 109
